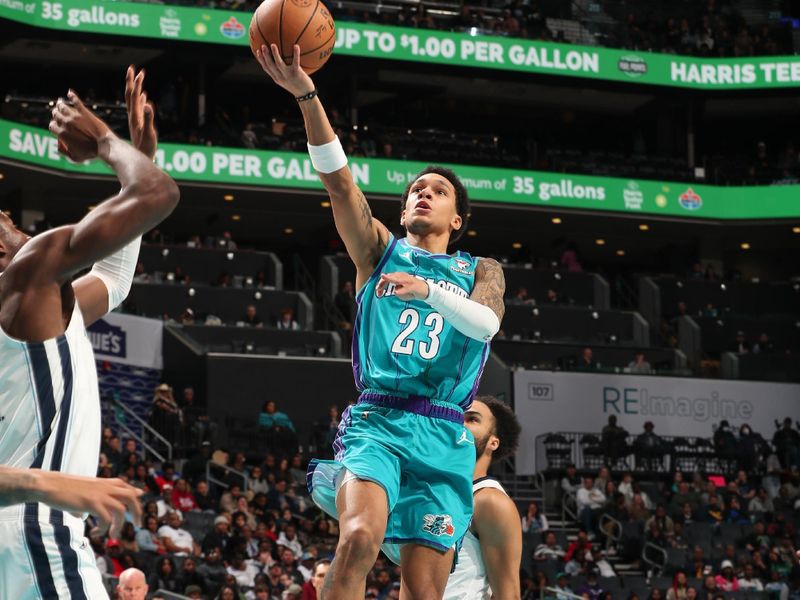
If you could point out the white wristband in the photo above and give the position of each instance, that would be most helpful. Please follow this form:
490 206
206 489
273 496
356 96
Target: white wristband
329 157
469 317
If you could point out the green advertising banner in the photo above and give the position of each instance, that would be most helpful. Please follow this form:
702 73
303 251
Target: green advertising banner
420 45
238 166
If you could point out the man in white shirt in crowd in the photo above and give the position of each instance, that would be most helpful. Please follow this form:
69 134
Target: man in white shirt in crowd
590 502
177 540
749 581
288 538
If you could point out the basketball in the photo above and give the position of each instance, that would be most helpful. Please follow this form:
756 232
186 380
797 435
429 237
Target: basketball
307 23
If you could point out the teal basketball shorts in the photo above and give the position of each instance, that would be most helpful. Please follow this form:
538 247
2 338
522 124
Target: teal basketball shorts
423 457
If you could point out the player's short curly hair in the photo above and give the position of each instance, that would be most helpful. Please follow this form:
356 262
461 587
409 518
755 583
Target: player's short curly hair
506 427
462 199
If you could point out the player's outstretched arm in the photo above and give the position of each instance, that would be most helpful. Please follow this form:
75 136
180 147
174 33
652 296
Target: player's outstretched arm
108 283
147 197
478 316
107 499
497 524
364 236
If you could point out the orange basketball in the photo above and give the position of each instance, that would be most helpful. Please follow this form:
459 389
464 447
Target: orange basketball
307 23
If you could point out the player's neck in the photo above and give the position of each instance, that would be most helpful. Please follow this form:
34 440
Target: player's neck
434 243
482 467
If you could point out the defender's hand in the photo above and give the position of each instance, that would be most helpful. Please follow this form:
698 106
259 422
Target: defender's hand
291 77
406 287
140 114
107 499
78 129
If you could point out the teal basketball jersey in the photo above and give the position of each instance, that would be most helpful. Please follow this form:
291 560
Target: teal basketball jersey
407 348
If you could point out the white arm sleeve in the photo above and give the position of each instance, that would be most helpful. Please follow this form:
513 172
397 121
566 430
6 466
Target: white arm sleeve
329 157
471 318
116 272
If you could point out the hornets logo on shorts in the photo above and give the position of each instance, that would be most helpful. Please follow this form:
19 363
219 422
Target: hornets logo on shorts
438 525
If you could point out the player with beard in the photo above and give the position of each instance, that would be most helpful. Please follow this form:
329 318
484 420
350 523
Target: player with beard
489 561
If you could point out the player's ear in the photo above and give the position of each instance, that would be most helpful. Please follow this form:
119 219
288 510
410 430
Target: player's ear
494 443
456 222
403 217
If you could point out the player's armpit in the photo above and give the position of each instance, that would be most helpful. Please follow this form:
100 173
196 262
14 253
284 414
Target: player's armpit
92 297
497 524
490 286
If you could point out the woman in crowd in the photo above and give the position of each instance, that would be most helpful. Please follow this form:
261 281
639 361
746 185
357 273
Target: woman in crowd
534 521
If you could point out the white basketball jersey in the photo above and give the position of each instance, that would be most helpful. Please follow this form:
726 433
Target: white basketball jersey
50 402
469 581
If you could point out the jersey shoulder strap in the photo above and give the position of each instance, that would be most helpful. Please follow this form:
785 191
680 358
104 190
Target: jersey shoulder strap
487 482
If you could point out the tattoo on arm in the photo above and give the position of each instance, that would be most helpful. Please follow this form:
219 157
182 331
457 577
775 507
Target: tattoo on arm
490 286
366 213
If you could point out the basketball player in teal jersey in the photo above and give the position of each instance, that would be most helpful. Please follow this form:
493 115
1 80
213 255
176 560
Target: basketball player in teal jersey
402 478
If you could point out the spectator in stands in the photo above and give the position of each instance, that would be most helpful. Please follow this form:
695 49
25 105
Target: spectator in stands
569 259
639 364
182 497
740 345
698 564
734 513
244 572
591 588
787 444
726 579
195 468
113 454
613 438
206 501
345 301
147 537
533 521
190 577
141 275
288 538
764 345
256 481
127 538
761 506
649 447
748 448
678 589
165 501
591 502
197 424
165 415
696 273
176 539
251 317
713 512
288 563
570 483
312 589
748 581
164 577
709 589
212 570
563 591
219 537
586 361
287 320
665 523
580 546
725 441
638 510
279 428
549 549
684 496
521 297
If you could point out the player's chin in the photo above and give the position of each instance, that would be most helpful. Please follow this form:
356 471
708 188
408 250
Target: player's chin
420 224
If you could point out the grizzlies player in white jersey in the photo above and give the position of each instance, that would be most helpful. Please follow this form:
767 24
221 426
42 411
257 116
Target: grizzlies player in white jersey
402 478
49 398
489 561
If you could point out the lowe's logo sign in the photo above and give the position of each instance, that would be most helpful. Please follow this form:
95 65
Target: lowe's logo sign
107 339
541 392
641 401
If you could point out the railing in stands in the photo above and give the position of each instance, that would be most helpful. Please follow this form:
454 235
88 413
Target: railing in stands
647 556
146 428
569 508
560 593
212 465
